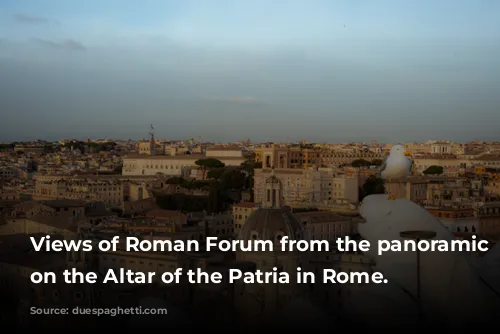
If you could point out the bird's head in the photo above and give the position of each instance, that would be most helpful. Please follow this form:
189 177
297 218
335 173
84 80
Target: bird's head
398 149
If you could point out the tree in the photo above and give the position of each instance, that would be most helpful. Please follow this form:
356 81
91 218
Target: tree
250 167
360 163
175 180
208 164
434 170
232 179
373 185
216 173
215 199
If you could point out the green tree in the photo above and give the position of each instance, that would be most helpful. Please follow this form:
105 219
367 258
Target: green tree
250 167
208 164
373 185
215 199
434 170
233 179
216 173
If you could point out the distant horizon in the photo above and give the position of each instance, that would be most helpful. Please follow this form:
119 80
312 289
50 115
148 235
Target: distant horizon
207 140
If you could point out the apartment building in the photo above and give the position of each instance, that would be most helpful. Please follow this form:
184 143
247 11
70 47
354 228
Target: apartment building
446 191
489 220
307 156
109 192
412 188
241 212
57 217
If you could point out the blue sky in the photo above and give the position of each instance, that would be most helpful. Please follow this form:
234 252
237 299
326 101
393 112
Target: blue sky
266 70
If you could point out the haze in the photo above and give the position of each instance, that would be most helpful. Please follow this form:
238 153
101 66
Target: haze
266 70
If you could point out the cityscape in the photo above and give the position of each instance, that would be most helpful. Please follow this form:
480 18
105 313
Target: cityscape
157 189
212 123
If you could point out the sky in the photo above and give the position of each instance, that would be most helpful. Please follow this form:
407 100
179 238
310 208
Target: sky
221 70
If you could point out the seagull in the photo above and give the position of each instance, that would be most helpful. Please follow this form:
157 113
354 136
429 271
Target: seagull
396 165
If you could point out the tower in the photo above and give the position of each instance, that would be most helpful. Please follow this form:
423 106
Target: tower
274 192
152 142
270 222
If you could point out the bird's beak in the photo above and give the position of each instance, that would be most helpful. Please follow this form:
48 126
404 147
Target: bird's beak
407 153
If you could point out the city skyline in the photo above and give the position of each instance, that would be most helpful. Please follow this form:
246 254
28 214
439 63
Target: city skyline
322 71
254 141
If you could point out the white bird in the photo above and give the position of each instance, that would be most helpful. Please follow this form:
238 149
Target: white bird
396 165
451 286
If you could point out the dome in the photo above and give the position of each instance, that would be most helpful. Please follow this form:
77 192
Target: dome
272 224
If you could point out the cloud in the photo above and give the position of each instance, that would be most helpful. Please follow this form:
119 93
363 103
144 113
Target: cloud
68 44
21 18
239 100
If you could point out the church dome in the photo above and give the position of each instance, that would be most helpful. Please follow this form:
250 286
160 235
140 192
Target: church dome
272 224
272 221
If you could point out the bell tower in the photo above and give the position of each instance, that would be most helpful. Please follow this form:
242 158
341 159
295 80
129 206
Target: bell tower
273 192
152 142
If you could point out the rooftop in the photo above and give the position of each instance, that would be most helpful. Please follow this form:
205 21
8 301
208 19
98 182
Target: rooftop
224 148
175 157
58 222
488 157
64 203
